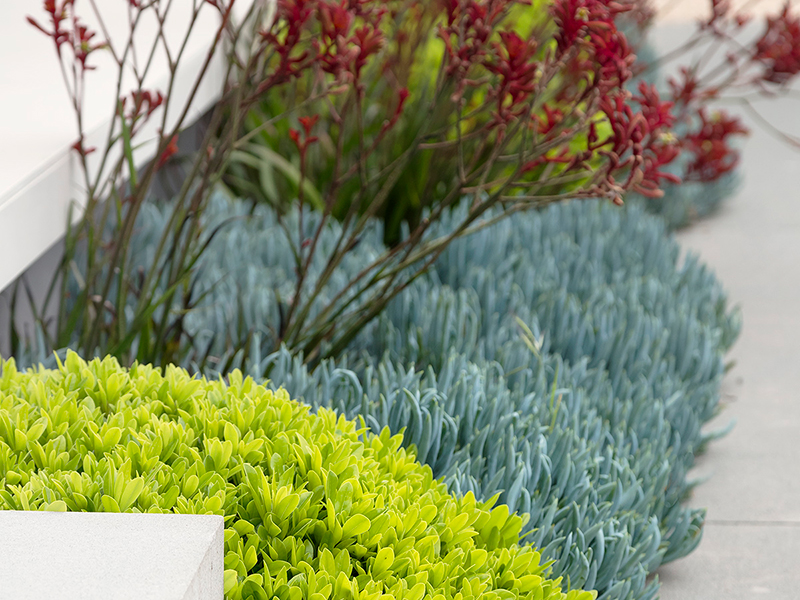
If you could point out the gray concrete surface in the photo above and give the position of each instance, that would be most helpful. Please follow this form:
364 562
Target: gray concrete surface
751 543
106 556
738 561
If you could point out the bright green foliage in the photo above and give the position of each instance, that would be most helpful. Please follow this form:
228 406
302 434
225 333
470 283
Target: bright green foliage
315 507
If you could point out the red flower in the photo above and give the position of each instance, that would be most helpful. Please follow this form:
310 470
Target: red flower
346 51
587 33
659 154
78 37
661 146
516 66
58 15
335 19
284 37
640 143
552 117
169 152
578 18
302 143
81 39
470 24
613 57
684 90
78 147
657 113
369 40
308 123
713 157
145 103
779 48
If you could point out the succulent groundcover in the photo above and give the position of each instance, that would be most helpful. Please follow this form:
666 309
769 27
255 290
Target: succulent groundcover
561 362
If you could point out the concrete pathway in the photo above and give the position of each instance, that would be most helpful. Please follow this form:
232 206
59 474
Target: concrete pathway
751 542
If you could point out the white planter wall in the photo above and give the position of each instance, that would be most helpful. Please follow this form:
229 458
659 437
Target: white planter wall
111 556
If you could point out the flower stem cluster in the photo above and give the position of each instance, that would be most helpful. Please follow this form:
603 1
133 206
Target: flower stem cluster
370 105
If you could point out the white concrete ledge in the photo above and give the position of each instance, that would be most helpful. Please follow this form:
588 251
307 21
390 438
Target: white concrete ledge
110 556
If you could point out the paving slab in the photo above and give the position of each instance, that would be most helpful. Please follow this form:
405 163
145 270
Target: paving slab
755 250
110 556
742 561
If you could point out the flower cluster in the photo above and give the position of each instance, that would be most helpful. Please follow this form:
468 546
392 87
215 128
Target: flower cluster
345 34
585 73
597 53
565 80
467 35
778 49
517 68
303 142
707 140
66 28
686 89
144 103
640 141
346 46
774 58
284 38
709 145
58 18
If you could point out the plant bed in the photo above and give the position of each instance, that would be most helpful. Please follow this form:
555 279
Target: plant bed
565 359
396 258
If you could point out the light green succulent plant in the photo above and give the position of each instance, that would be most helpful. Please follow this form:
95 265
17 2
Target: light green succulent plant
315 507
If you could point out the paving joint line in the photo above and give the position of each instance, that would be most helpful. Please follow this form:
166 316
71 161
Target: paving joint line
733 522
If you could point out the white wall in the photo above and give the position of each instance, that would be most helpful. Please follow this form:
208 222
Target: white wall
111 556
40 179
